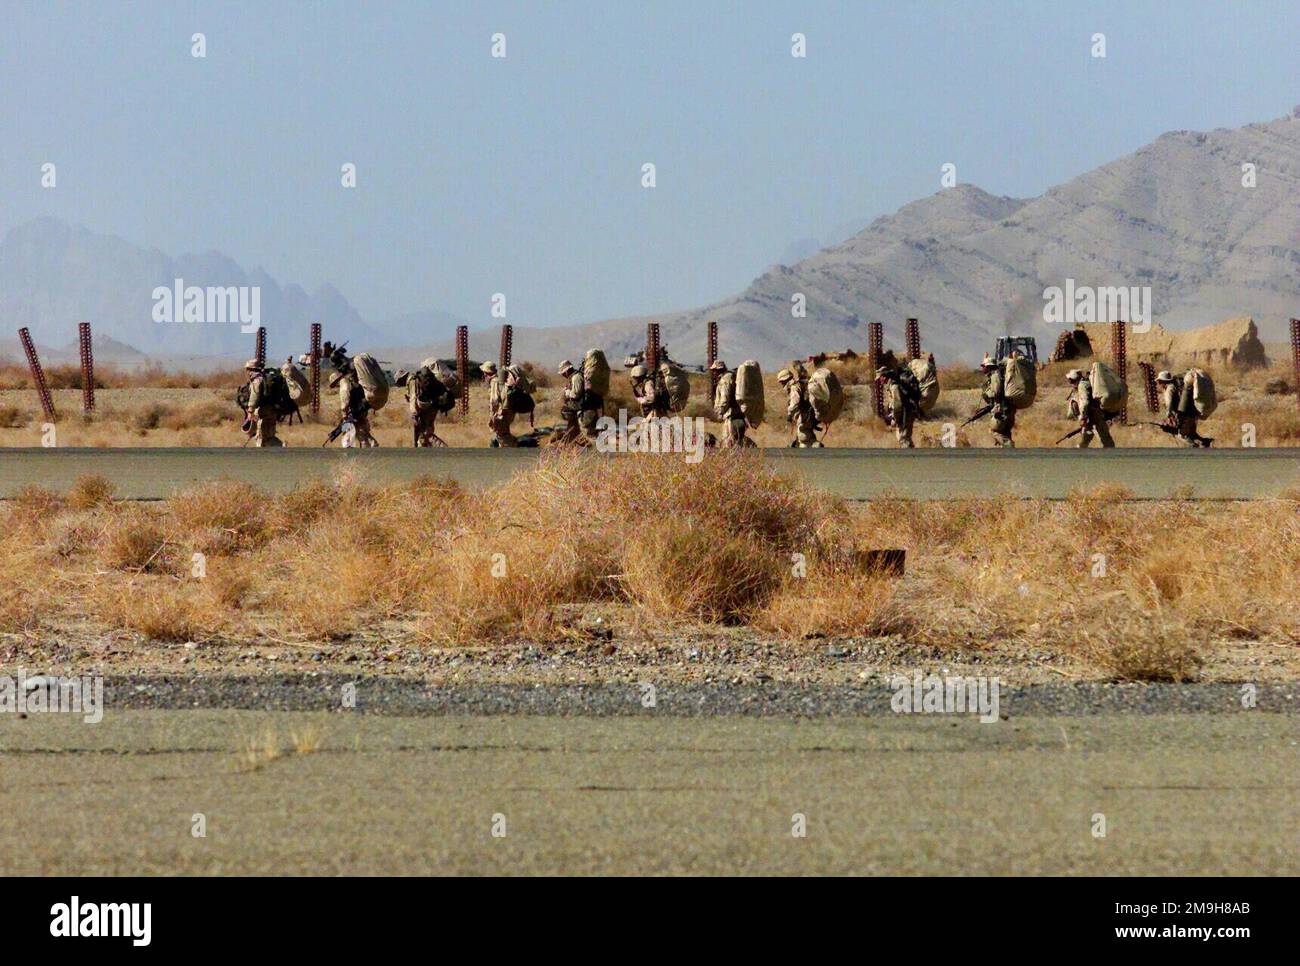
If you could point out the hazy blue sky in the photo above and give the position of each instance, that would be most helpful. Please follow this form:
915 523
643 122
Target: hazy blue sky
480 175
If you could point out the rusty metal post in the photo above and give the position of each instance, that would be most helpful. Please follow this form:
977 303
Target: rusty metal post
315 368
87 368
1295 354
462 366
259 351
712 355
652 347
875 350
38 374
1119 356
507 347
913 339
1149 385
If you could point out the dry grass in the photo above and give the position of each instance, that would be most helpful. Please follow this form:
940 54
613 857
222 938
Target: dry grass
265 745
89 491
1137 590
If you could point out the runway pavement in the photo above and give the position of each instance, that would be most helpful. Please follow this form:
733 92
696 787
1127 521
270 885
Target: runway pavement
281 793
855 474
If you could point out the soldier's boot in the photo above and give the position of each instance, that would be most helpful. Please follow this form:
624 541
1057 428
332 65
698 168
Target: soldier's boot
904 433
363 437
1103 431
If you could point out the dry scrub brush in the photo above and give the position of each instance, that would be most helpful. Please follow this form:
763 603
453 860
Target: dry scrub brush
1136 590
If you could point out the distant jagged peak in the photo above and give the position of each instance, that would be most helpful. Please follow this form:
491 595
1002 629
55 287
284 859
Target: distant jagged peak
948 213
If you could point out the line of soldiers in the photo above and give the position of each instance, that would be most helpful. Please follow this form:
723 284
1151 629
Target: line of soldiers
510 394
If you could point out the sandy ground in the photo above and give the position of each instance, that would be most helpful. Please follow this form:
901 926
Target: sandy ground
853 474
904 794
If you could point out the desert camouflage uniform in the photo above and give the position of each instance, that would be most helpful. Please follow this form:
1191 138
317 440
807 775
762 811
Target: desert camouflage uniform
579 423
799 411
499 415
1003 413
424 415
1179 408
1087 409
728 412
902 396
647 391
353 408
263 416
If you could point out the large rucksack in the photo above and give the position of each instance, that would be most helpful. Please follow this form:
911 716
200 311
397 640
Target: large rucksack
1019 381
927 379
826 396
372 379
677 384
519 395
1201 386
444 372
299 387
595 373
749 392
430 391
1110 391
275 394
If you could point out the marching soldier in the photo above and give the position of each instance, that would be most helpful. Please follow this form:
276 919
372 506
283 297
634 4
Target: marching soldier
426 396
499 415
726 409
1086 408
799 410
262 415
902 401
1179 410
646 390
353 407
994 394
579 416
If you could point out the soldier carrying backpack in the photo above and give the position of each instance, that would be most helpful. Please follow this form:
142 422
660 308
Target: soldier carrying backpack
994 395
799 408
1085 405
265 400
902 401
727 407
354 409
426 397
582 404
1178 404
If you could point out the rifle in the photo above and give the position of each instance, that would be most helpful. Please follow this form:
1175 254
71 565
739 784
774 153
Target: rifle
1172 431
336 432
979 414
1076 432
